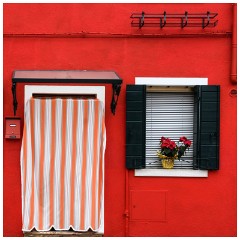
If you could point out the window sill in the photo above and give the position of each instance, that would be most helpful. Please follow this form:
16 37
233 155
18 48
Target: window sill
170 173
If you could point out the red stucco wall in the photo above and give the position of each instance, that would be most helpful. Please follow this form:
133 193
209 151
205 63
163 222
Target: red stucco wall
194 206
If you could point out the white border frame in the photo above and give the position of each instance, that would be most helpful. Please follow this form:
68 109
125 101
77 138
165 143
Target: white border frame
30 89
158 81
99 90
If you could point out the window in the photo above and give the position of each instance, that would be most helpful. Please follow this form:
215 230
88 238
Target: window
205 110
169 113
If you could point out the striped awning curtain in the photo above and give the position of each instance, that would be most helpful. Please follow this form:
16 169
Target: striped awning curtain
62 170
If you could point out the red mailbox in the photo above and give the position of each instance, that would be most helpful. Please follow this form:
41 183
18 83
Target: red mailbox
12 127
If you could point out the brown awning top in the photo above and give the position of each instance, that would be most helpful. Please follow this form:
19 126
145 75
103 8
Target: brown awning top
65 74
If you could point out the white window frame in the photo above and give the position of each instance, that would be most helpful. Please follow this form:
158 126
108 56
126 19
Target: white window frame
98 90
158 81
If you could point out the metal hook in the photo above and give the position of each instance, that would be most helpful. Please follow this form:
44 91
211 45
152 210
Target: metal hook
164 20
186 20
208 20
141 20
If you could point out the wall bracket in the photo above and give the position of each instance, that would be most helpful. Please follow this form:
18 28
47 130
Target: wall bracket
67 76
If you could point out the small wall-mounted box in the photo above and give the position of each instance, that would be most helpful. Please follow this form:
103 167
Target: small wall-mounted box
12 127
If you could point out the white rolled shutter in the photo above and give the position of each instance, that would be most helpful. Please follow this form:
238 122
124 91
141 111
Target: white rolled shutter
168 114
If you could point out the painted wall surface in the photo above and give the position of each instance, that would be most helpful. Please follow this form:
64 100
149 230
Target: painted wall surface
99 37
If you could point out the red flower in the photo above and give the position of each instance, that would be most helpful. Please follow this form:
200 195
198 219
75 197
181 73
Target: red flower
172 145
167 143
170 149
183 139
162 139
187 143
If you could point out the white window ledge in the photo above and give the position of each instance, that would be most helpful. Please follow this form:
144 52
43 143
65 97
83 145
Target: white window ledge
153 81
170 173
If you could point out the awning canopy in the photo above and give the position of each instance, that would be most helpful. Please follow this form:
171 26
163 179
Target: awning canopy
68 76
78 75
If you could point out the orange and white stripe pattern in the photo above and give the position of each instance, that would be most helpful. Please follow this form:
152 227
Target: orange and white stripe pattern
62 169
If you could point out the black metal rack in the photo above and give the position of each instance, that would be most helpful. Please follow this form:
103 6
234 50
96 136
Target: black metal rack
174 20
71 76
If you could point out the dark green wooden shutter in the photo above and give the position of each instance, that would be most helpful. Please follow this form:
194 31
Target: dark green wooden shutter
135 126
206 127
